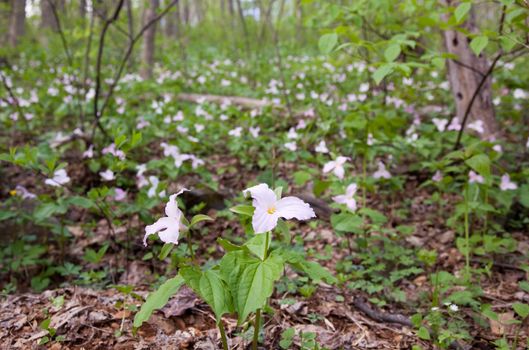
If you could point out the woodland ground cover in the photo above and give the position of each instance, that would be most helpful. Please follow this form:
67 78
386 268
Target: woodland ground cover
264 174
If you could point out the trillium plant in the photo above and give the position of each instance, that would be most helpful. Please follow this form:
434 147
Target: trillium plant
241 282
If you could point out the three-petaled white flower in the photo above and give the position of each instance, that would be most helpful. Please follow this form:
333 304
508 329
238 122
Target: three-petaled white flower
168 227
507 184
60 177
348 197
336 166
268 208
474 177
382 172
107 175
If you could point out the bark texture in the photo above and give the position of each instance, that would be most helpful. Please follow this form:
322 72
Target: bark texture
149 40
465 76
17 26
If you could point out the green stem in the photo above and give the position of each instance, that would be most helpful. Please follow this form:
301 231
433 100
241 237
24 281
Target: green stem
223 337
267 243
467 234
256 329
486 199
190 246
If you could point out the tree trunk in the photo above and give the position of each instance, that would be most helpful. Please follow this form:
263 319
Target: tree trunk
82 9
148 40
170 24
5 14
17 26
47 20
299 22
464 81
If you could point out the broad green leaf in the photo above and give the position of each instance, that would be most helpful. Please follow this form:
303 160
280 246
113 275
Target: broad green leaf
216 293
479 43
376 217
486 310
243 209
327 42
507 43
158 299
392 52
423 333
301 177
227 245
81 202
256 284
198 218
315 271
524 195
382 72
347 222
480 163
521 309
166 249
256 245
462 10
47 210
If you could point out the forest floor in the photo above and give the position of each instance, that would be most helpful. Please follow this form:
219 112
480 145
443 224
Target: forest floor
82 317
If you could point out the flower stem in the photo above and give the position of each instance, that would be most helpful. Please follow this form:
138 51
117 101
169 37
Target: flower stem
223 337
467 234
256 329
267 243
190 246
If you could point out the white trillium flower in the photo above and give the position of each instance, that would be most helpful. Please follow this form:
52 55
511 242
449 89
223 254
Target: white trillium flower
168 227
440 124
292 146
268 208
107 175
381 172
438 176
60 177
348 197
321 147
473 177
507 184
336 166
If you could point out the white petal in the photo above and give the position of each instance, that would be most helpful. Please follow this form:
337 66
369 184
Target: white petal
262 221
339 171
50 182
351 204
341 160
168 228
171 208
342 199
351 190
263 197
293 207
329 166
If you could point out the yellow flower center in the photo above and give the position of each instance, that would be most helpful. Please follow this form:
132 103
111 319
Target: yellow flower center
13 192
271 210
